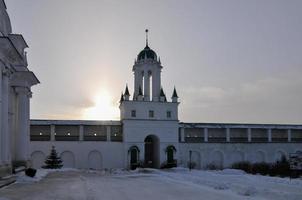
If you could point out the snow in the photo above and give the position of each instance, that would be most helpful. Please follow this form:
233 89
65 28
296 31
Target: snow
238 182
176 183
41 173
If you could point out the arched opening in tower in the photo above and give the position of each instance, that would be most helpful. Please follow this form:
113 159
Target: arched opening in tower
150 84
152 151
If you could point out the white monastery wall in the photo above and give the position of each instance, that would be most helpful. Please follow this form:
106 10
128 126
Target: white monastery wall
107 144
80 154
225 154
81 144
224 144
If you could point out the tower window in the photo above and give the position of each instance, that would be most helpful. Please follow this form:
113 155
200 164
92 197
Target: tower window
133 113
151 113
169 114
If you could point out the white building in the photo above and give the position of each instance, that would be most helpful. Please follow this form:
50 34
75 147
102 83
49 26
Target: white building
15 91
149 133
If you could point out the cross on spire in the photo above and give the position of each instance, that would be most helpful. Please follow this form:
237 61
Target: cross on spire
146 37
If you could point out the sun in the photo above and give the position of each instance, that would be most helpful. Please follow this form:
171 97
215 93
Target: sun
104 108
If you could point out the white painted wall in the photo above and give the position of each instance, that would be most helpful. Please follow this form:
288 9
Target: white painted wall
142 110
37 159
84 155
107 154
227 153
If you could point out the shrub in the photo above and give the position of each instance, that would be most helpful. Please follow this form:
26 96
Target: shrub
280 168
213 166
30 172
171 165
134 166
163 165
139 164
166 165
261 168
296 173
191 165
243 165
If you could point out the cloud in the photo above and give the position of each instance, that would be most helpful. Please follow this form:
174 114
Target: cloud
205 96
269 100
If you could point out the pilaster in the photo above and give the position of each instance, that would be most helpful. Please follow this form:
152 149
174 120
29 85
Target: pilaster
1 116
22 134
206 135
227 130
5 142
108 133
81 127
289 135
249 135
52 132
269 135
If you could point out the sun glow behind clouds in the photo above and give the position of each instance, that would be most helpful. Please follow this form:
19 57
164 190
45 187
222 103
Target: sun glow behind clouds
104 108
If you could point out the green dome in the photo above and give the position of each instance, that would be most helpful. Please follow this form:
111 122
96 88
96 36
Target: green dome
147 53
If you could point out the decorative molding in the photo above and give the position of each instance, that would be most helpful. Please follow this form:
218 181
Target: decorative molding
23 90
6 72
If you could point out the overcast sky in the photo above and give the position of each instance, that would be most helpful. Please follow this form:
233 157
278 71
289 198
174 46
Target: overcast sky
230 60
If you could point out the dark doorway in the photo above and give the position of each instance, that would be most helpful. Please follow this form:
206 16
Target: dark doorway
170 155
171 161
134 157
151 152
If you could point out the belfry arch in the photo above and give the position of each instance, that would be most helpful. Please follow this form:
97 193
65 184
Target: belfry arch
152 156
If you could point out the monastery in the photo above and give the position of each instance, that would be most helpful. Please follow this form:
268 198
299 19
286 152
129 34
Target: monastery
149 132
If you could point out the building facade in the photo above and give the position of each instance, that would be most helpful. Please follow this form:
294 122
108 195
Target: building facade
149 133
16 81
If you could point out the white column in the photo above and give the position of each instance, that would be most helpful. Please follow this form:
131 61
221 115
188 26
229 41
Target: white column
22 135
5 143
108 133
289 135
269 135
1 115
81 132
227 134
249 135
146 86
140 81
155 96
137 82
155 84
206 136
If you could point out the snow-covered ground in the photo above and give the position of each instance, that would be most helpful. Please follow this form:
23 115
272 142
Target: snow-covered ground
174 184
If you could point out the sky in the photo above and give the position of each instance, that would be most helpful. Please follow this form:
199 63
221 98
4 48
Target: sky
230 60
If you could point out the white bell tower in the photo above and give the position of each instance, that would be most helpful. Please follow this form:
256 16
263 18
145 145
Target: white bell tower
150 121
147 73
148 95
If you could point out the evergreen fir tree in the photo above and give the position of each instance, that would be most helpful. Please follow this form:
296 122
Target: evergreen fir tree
53 161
